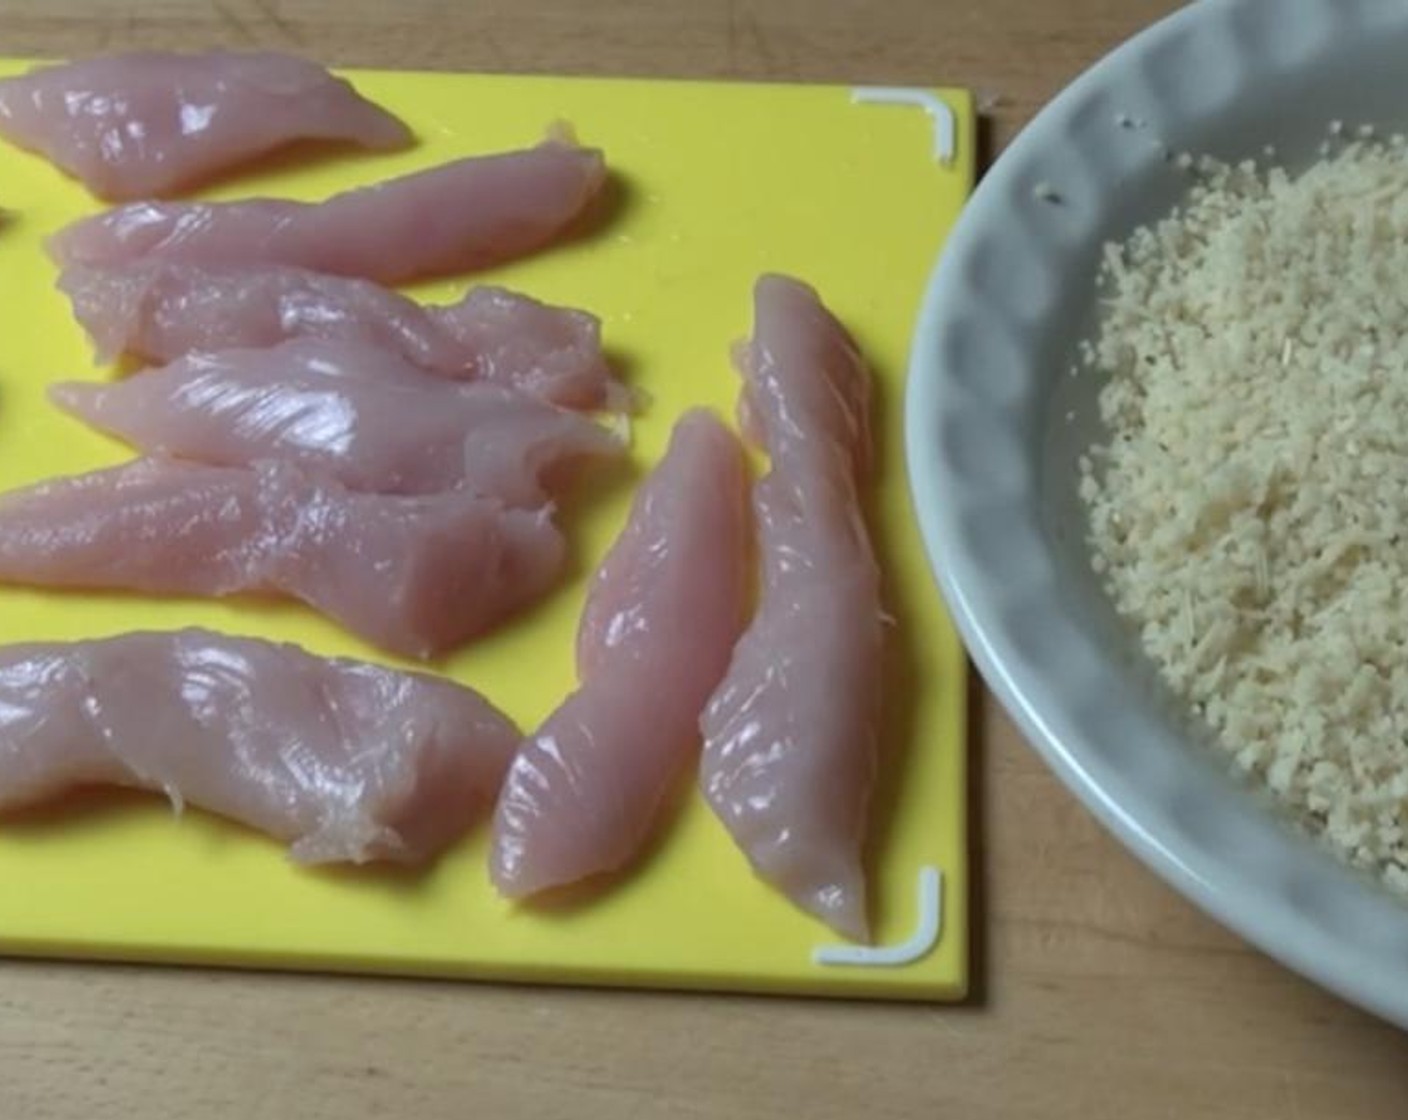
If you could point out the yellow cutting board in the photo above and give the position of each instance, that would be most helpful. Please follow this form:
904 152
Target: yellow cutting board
715 184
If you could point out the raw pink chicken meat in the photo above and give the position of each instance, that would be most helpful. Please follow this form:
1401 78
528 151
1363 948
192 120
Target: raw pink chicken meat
417 577
159 311
464 215
543 350
791 735
364 416
585 791
149 124
344 760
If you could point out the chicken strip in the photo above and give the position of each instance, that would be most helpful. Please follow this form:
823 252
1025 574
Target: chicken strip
160 311
586 790
791 735
364 416
344 760
148 123
417 577
459 216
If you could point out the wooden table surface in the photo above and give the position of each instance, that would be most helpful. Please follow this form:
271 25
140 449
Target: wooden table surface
1100 993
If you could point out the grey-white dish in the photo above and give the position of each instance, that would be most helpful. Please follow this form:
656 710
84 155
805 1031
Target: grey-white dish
995 424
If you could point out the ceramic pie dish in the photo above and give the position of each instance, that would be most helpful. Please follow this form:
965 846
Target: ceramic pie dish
994 427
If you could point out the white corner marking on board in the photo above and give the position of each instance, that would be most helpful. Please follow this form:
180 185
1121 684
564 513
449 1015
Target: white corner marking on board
924 938
945 126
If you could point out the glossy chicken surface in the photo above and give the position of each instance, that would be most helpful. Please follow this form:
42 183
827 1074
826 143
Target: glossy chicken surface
150 124
791 734
468 214
346 761
588 788
415 576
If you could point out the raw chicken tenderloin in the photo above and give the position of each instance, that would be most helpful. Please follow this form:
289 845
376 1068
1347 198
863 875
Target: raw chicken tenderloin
364 416
415 576
790 736
662 615
160 311
464 215
151 123
345 760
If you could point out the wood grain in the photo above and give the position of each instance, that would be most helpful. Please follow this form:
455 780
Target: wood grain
1101 993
